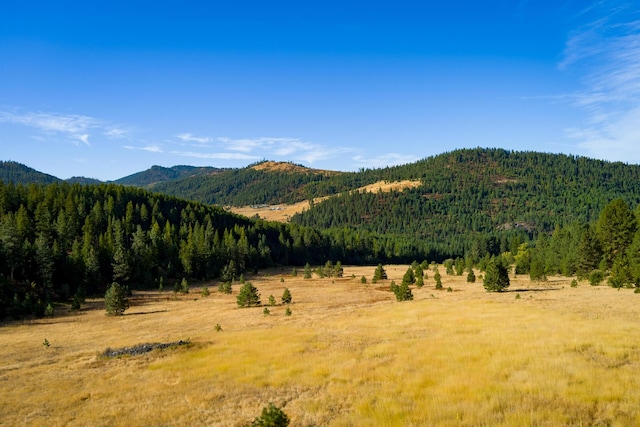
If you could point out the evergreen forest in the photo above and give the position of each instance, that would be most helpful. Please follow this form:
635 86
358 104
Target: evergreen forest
540 213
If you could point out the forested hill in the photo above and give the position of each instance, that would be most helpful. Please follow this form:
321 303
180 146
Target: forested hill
480 194
60 240
18 173
158 174
264 182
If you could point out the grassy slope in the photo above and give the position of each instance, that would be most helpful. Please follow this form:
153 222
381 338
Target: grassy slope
284 212
349 355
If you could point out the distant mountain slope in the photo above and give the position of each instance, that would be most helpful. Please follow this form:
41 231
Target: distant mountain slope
158 174
18 173
488 192
265 182
83 180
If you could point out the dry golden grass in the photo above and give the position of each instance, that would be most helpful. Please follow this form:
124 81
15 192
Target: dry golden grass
283 213
349 355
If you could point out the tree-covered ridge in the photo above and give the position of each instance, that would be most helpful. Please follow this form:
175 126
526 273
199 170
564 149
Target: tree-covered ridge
63 240
21 174
159 174
467 195
246 186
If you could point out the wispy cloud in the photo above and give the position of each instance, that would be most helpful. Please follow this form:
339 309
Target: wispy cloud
252 149
77 128
608 48
151 148
187 137
390 159
215 156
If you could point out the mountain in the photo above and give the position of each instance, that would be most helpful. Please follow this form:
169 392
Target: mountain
158 174
83 180
481 197
261 183
18 173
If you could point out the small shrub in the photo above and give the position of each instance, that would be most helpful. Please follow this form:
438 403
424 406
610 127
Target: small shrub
471 277
294 272
76 304
205 291
307 271
218 328
288 311
402 292
224 287
266 311
596 277
574 283
636 291
363 280
271 416
46 343
517 296
181 287
282 280
48 312
449 289
272 300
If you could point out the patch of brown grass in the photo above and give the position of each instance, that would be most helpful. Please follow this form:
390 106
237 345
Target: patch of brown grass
284 212
348 355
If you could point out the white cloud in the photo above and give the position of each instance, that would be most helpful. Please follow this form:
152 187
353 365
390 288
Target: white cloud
246 145
76 128
187 137
116 133
389 159
609 49
213 156
151 148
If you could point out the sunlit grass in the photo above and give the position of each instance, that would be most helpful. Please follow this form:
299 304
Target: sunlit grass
349 355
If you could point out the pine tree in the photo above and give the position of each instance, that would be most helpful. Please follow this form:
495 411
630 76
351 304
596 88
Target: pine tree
248 296
115 300
496 277
409 277
616 227
438 279
380 273
471 277
286 296
307 271
589 253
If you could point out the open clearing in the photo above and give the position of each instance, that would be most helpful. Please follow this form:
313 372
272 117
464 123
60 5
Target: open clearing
284 212
348 355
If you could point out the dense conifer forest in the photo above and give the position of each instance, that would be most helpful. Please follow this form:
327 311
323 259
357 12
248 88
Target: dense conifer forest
542 213
61 241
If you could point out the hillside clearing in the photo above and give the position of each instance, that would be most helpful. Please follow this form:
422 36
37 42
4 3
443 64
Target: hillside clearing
284 212
348 355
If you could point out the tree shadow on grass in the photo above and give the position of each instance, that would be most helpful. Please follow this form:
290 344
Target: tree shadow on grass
139 313
533 289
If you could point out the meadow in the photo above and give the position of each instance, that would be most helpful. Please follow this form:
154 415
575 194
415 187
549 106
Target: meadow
541 354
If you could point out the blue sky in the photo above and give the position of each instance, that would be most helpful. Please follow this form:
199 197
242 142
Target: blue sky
107 89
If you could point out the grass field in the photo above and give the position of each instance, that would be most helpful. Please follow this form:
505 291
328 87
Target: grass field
349 355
